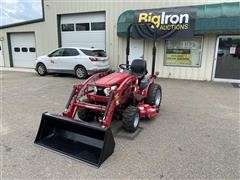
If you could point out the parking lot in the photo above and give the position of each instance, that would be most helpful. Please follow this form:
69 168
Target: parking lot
195 135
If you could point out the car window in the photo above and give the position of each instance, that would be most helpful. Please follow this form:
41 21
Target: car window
70 52
56 53
98 53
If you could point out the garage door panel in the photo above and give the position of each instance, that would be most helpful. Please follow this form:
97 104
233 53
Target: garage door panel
81 18
84 39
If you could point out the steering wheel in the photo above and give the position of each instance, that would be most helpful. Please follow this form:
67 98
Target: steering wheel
125 66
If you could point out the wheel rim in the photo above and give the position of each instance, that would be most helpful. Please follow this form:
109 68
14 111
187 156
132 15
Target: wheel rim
80 72
158 98
136 120
40 69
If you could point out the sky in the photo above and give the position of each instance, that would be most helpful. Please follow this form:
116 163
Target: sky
14 11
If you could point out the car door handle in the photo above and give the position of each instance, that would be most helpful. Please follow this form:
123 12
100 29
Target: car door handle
52 61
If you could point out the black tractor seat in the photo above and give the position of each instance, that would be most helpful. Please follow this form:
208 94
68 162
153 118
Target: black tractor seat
139 68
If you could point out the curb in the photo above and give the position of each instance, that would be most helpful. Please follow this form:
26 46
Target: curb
17 69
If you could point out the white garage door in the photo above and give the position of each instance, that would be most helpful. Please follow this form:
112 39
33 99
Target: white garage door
23 49
83 30
1 54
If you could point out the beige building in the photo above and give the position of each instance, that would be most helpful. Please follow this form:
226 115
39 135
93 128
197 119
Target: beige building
213 53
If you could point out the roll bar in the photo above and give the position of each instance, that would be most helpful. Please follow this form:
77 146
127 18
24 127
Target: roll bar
154 43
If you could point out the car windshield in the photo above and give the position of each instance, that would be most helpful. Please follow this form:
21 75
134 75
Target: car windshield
98 53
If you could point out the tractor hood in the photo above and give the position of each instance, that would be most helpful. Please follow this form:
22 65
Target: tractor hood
112 79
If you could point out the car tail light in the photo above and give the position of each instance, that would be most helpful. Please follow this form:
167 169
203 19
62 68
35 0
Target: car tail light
93 58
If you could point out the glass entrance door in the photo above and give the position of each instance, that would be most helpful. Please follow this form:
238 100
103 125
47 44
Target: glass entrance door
227 59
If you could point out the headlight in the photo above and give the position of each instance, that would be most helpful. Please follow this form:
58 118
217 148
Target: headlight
95 89
114 87
109 89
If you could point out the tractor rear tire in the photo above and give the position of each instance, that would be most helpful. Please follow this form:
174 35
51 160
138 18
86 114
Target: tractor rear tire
131 118
85 115
154 95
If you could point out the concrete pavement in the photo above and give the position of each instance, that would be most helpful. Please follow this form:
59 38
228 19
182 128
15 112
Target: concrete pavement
196 134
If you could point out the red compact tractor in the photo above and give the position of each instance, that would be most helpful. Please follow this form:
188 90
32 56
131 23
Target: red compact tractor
127 95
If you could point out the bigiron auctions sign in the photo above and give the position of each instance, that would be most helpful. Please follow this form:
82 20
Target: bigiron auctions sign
168 23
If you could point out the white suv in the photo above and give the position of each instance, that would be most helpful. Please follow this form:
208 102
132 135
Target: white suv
72 60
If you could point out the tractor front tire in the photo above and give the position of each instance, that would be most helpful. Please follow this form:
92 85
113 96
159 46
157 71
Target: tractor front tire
131 118
154 95
85 115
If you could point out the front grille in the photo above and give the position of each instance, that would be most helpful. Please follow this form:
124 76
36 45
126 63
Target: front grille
100 91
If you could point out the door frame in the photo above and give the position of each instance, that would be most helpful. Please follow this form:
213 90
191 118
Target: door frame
3 61
215 62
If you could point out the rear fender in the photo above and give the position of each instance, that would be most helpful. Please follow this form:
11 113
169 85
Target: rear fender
150 81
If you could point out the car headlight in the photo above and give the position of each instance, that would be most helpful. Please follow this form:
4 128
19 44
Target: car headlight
109 89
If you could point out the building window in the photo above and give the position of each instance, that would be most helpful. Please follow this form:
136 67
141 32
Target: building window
17 49
82 27
96 26
32 49
67 27
24 49
183 52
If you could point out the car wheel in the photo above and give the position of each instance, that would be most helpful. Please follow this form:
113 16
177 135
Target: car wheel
131 118
41 69
80 72
154 95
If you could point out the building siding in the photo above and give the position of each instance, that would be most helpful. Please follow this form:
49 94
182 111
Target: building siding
46 34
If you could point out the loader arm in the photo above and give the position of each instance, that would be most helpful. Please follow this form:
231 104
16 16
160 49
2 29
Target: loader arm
109 111
79 91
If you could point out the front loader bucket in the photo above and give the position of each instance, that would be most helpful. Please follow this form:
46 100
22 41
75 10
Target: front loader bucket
76 139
